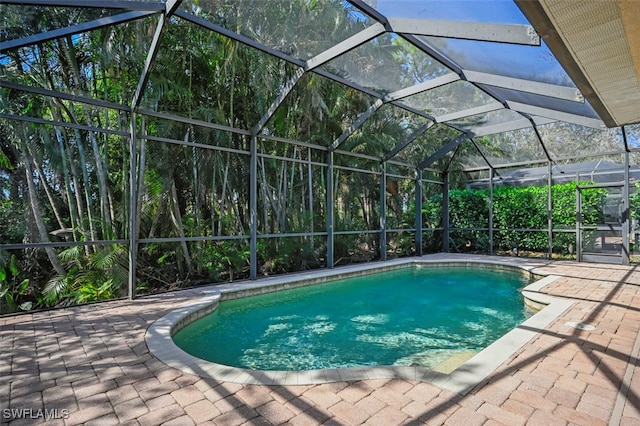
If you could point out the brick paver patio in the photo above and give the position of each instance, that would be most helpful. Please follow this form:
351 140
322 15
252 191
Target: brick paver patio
90 365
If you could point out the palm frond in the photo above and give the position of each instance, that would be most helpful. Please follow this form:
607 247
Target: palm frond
55 289
71 254
104 259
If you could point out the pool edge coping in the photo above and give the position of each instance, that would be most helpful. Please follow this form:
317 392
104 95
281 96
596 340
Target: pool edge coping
463 379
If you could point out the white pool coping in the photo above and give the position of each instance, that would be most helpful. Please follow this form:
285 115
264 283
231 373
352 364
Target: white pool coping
464 378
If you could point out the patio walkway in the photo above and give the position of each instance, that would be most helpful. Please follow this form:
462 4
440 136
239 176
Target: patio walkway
90 365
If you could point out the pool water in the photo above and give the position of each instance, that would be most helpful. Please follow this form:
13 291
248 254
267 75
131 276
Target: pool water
414 316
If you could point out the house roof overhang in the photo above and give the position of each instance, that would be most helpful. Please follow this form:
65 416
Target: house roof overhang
598 44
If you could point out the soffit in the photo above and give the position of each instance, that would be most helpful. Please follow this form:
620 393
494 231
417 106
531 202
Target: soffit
598 43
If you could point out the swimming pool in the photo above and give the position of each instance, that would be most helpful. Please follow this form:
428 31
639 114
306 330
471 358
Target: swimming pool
415 316
202 301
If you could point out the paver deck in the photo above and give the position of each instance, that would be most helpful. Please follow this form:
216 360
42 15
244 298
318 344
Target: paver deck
90 365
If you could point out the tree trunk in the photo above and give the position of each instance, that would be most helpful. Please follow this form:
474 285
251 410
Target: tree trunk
37 216
76 223
50 197
102 185
141 172
86 184
105 210
176 216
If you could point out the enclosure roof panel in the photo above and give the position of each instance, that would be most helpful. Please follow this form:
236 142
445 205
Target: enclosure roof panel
448 101
598 171
46 20
376 65
567 141
515 147
479 123
301 30
582 109
633 136
528 62
478 11
477 68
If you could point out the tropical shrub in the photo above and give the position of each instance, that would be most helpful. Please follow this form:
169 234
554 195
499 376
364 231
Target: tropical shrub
520 217
15 291
99 273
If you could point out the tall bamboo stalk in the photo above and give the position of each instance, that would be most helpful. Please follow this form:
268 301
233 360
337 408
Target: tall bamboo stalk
37 214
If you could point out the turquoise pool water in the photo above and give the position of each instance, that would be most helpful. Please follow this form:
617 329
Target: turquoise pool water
414 316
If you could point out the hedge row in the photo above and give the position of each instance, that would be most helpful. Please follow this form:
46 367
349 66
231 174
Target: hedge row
515 208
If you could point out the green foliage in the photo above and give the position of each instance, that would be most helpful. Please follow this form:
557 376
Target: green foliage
5 163
520 208
634 203
80 178
464 201
98 275
93 292
286 255
432 212
469 209
225 259
355 248
401 244
520 216
14 291
12 228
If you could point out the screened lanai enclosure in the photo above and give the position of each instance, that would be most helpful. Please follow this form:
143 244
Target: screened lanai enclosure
149 145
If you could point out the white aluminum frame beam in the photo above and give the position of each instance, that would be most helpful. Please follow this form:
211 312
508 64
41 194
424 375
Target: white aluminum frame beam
490 107
391 98
422 87
92 4
356 124
345 46
557 115
450 146
402 145
75 29
517 124
171 7
493 32
61 95
329 54
522 85
491 129
278 101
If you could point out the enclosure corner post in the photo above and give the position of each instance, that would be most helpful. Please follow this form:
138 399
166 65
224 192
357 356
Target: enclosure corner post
490 224
550 208
626 212
133 208
253 209
330 210
445 212
383 211
578 219
418 223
